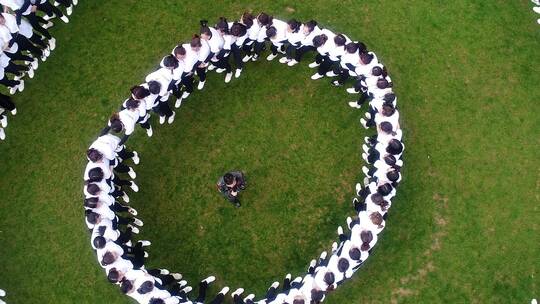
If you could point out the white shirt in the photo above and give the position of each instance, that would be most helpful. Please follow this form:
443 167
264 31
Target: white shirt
308 39
347 246
141 108
295 38
109 234
5 36
329 45
151 100
107 145
281 31
174 74
129 120
164 77
367 224
11 22
109 246
107 173
253 31
191 58
333 267
216 42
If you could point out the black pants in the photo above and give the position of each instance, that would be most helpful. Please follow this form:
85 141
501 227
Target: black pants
325 64
121 182
248 49
201 73
125 154
8 82
50 9
259 47
35 22
15 69
37 40
117 207
124 236
290 51
203 286
19 56
237 56
65 3
25 44
301 51
223 61
373 156
6 102
163 109
136 256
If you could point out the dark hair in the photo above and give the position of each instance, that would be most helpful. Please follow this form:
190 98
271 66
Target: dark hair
366 236
343 265
317 295
366 57
384 205
205 29
389 97
265 19
113 275
222 25
340 40
382 83
394 147
228 178
385 189
132 103
362 47
178 50
329 278
156 301
364 247
354 253
294 25
108 258
99 242
126 286
298 301
377 198
247 19
154 87
351 47
393 175
170 61
94 155
195 41
376 71
271 31
93 189
390 160
376 218
387 127
238 29
91 202
311 24
139 92
146 287
319 40
388 110
116 123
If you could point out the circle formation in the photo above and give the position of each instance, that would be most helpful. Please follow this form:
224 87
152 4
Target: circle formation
113 225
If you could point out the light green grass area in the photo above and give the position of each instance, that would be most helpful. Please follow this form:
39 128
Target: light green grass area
463 228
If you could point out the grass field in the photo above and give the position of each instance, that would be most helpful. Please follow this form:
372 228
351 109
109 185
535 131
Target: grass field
465 224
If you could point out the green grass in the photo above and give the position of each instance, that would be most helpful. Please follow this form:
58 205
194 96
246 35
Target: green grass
464 227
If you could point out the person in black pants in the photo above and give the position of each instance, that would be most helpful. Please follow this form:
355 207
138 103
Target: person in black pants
230 185
7 104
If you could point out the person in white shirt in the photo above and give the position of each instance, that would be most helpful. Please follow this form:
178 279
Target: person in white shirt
222 63
264 21
253 28
294 36
24 44
310 30
240 33
201 57
158 84
277 34
138 105
330 48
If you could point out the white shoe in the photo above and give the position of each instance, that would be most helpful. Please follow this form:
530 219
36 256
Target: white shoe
537 2
352 91
292 63
365 170
538 21
363 122
358 187
336 83
313 65
354 104
162 120
176 276
134 187
317 76
69 10
65 19
255 58
210 279
247 58
228 77
331 74
138 222
365 148
2 134
364 156
47 17
31 73
178 103
237 73
339 230
48 25
220 70
125 197
187 289
237 292
3 121
185 95
145 254
250 297
284 60
133 212
312 263
56 3
46 53
35 64
21 86
182 283
134 229
211 67
13 90
132 173
2 293
349 221
52 44
271 57
149 132
334 247
274 285
136 158
75 2
324 254
171 118
200 86
164 271
14 111
224 290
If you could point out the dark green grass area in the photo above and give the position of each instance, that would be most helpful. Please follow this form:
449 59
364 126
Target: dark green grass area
464 227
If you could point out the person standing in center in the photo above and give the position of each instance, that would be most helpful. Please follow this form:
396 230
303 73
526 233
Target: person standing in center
230 185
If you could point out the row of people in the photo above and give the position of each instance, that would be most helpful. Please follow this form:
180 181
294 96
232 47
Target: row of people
24 40
113 224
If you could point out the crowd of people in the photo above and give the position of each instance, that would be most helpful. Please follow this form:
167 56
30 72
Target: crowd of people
225 47
24 41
